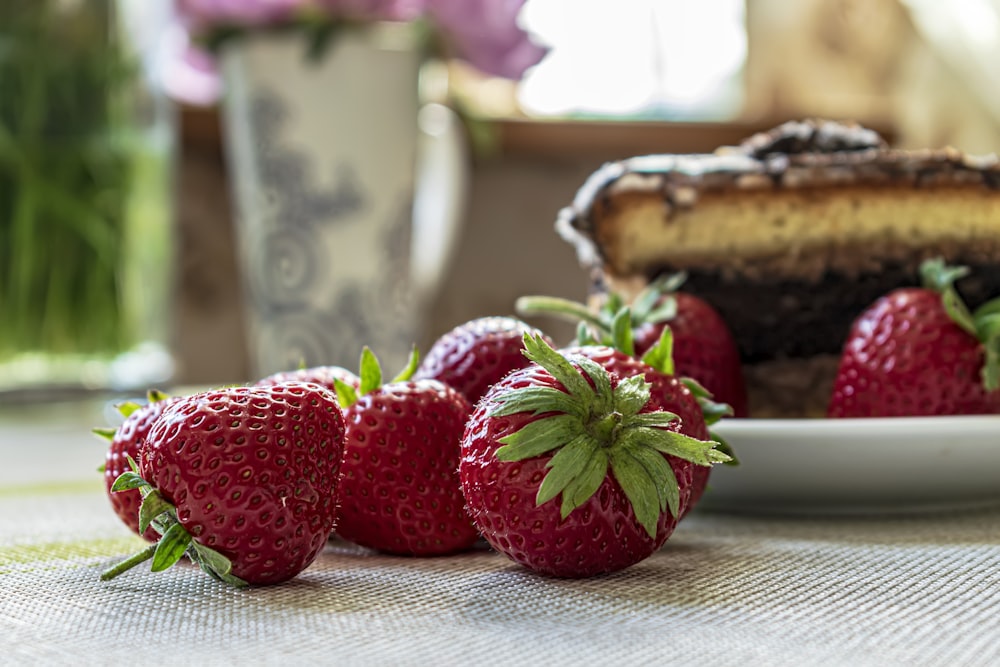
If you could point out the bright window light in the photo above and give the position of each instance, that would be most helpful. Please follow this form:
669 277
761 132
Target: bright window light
636 58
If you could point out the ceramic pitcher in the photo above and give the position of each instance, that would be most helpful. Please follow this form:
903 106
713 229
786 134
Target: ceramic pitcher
342 236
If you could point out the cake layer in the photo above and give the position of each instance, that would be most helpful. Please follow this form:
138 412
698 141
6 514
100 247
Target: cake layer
798 233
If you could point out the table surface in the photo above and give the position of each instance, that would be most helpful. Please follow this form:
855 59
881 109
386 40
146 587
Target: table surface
915 589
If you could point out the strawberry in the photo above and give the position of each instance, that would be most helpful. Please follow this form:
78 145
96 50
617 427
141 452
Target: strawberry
919 351
125 442
704 347
242 480
325 376
475 355
567 464
399 486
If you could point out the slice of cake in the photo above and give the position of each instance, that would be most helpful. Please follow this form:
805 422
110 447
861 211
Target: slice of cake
790 235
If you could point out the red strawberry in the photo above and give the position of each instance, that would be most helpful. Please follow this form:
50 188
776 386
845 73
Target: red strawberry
325 376
598 441
242 480
125 443
475 355
399 487
919 351
704 347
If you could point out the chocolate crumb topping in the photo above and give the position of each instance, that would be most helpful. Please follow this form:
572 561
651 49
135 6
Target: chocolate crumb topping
812 136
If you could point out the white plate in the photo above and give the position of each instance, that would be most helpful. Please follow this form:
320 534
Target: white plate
858 465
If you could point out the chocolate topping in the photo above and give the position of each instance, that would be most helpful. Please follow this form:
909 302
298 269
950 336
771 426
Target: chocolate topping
812 136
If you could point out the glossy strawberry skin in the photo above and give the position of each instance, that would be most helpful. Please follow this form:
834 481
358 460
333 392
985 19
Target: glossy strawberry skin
600 536
674 397
399 488
904 356
253 473
126 443
475 355
324 376
704 349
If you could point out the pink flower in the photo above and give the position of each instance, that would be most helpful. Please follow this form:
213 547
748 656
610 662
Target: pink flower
486 34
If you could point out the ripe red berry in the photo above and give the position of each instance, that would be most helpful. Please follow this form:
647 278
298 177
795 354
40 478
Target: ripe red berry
919 351
125 443
242 480
475 355
400 491
566 465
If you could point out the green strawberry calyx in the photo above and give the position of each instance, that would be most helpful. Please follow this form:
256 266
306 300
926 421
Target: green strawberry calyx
983 323
593 427
653 305
370 374
175 542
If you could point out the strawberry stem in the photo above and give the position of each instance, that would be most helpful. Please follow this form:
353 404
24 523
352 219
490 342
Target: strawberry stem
562 308
175 541
129 563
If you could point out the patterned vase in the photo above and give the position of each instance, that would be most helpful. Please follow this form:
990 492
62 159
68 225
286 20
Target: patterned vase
322 156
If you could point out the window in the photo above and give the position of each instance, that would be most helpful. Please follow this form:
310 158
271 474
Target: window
648 59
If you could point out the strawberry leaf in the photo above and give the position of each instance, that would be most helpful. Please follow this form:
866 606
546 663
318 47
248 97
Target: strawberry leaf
565 465
539 437
639 488
215 564
128 480
702 452
170 548
346 394
370 371
153 505
666 311
537 400
991 367
127 408
584 485
644 303
538 351
585 335
631 395
621 332
106 433
991 307
155 396
726 449
411 366
987 319
958 311
661 355
603 395
658 419
659 469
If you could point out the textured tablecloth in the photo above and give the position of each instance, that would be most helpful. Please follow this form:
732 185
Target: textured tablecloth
725 590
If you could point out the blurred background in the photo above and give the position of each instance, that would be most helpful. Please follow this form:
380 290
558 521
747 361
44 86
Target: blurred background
162 286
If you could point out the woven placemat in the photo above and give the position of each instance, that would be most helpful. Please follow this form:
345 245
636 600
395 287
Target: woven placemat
912 590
